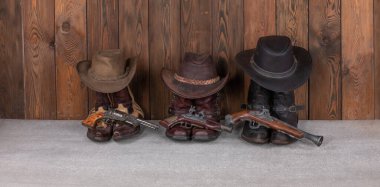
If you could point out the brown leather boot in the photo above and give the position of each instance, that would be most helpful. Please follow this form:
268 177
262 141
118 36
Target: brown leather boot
122 130
258 99
284 108
178 106
102 131
210 107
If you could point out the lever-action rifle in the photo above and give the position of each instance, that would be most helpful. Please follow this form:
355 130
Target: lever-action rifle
264 118
195 120
112 115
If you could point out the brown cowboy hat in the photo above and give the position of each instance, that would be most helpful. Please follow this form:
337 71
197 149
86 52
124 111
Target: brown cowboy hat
107 72
197 77
276 64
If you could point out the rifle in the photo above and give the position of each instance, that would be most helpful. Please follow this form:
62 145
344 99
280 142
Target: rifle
195 120
264 118
112 115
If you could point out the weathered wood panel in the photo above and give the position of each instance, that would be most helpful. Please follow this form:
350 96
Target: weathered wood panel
196 26
39 61
102 30
11 60
259 20
357 55
133 40
228 40
377 56
71 47
164 51
292 21
325 48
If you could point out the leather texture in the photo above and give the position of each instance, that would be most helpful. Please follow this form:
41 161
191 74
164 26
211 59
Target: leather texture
259 98
209 106
123 101
284 99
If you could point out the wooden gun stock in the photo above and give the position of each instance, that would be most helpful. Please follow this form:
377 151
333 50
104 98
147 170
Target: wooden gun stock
91 119
273 123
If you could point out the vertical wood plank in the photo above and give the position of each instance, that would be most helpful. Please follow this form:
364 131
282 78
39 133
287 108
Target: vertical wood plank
196 26
325 48
228 40
39 61
357 55
102 30
164 50
133 40
377 56
292 21
259 20
71 47
11 71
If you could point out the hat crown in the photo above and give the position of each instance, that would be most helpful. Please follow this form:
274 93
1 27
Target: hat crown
197 67
274 54
107 64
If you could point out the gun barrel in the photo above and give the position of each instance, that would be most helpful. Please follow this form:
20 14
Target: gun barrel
317 140
147 124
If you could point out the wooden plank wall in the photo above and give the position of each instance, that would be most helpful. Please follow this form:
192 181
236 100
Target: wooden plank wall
42 40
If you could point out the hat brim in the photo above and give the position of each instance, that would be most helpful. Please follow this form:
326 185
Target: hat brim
291 82
190 91
109 86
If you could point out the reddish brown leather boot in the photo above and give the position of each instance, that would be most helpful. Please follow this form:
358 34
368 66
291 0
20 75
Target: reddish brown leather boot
178 106
210 107
102 131
123 102
258 99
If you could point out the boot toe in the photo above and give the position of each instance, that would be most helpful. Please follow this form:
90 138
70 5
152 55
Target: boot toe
280 138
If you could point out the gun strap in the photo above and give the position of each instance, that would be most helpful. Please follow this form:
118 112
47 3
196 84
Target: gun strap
137 111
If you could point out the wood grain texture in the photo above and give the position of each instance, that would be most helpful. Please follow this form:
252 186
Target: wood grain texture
196 26
228 40
377 56
357 55
259 20
71 47
102 30
11 71
39 59
164 51
292 21
325 48
133 40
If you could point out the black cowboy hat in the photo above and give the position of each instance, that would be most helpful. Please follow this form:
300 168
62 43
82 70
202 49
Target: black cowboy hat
276 64
197 77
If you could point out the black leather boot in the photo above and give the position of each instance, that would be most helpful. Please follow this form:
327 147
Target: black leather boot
258 99
284 108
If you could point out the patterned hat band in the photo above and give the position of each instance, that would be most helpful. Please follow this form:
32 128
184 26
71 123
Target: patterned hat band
196 82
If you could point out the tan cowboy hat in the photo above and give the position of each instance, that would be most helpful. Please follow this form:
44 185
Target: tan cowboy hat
107 72
197 77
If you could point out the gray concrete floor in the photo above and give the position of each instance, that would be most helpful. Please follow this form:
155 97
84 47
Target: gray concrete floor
57 153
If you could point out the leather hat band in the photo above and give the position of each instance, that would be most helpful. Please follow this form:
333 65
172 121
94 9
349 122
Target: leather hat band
266 73
196 82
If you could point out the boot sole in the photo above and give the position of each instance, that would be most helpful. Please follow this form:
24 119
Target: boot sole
259 141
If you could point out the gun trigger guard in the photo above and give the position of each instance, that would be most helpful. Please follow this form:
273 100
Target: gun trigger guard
253 125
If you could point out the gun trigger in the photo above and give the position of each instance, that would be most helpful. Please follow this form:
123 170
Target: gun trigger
253 125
